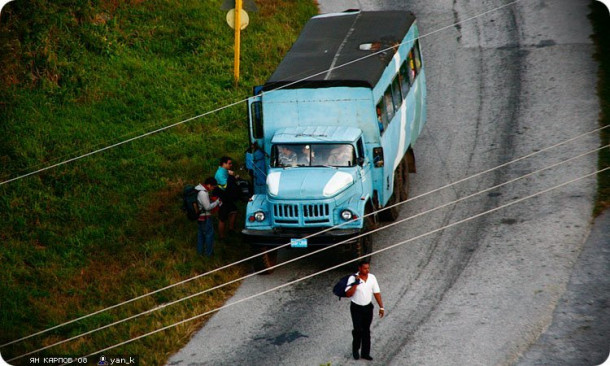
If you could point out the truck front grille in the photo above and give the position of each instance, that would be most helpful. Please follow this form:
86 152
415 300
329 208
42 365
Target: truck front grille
315 211
306 214
286 213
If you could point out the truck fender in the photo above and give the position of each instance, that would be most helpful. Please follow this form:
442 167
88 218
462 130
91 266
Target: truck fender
366 204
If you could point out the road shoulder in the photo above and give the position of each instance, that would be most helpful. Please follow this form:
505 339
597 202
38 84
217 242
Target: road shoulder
580 330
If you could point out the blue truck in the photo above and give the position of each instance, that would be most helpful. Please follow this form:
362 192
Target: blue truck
335 125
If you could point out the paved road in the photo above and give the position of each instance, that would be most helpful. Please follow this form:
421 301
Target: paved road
579 333
500 86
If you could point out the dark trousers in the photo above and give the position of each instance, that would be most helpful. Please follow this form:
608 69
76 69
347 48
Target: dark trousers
362 317
205 237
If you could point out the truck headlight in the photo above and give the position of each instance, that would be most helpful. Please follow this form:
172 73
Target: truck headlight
346 215
259 216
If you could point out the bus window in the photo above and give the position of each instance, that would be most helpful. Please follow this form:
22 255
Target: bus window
411 67
389 105
417 57
256 111
397 98
404 80
382 117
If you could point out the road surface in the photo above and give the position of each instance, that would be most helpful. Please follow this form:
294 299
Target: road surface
500 86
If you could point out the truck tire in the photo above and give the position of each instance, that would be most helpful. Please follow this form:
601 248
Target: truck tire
405 186
264 261
364 244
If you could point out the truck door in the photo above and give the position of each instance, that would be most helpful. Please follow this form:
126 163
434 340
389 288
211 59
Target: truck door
256 132
255 119
364 168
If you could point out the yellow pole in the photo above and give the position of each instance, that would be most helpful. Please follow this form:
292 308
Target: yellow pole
238 6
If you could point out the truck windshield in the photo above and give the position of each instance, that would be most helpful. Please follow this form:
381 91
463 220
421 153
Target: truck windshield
304 155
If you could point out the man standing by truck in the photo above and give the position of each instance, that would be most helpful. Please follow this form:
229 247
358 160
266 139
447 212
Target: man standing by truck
205 233
363 286
226 188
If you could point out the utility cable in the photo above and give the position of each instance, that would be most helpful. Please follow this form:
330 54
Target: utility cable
347 262
52 166
119 143
231 105
105 142
162 306
282 246
306 237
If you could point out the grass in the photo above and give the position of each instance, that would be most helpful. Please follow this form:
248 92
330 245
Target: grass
601 27
108 227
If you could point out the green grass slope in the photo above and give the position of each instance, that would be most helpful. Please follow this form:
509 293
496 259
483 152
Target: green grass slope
81 75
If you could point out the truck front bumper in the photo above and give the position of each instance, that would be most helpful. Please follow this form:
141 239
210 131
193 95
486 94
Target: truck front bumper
281 236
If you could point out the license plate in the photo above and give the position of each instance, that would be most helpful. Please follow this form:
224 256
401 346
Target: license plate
298 243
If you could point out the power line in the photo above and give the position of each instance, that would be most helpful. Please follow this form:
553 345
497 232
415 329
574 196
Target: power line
94 152
285 244
347 262
309 236
118 143
279 247
104 142
214 111
315 252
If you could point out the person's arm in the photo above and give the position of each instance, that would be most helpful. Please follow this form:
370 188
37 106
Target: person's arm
352 287
214 204
380 302
204 201
377 294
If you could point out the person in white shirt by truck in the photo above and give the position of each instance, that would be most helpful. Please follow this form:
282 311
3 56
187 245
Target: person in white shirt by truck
362 288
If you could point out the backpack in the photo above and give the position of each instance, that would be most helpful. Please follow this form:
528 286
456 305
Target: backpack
339 288
189 202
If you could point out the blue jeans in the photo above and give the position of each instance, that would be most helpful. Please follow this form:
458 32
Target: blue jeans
205 235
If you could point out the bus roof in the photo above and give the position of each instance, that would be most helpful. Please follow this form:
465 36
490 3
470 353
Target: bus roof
331 40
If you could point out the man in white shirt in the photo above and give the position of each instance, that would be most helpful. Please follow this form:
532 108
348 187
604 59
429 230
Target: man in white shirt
361 289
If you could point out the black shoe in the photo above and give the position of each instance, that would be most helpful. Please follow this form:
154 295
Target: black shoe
368 358
356 355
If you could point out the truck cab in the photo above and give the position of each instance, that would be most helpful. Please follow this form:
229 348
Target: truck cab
315 180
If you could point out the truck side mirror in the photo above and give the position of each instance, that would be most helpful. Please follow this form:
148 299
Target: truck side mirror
361 161
378 157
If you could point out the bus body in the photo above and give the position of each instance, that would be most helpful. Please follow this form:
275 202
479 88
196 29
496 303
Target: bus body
336 121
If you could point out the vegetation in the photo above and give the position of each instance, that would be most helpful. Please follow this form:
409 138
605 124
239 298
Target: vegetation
601 27
80 75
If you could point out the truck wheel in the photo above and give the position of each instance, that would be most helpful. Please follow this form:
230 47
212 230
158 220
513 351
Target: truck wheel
364 245
264 261
391 214
404 191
